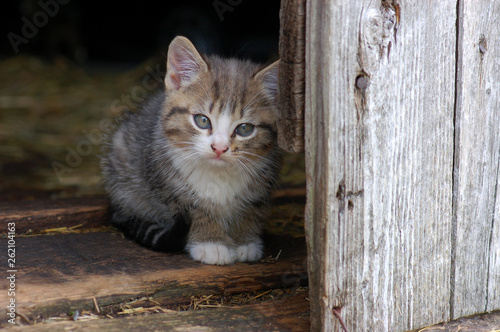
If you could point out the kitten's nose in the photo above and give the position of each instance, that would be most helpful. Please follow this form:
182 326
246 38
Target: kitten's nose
219 149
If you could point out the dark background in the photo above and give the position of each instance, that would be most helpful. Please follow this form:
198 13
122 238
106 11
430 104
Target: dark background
127 32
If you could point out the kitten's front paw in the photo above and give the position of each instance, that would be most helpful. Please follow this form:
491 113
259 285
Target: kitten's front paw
212 253
249 252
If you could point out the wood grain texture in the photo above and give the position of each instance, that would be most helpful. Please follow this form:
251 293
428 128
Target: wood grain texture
493 302
289 314
292 75
60 273
476 281
41 214
379 162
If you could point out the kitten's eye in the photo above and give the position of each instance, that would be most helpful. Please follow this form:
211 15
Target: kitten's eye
202 121
244 129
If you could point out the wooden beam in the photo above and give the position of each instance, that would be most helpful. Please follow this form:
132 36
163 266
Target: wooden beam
476 260
292 75
379 151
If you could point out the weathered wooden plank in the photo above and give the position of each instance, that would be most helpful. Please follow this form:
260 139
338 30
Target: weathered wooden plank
41 214
292 75
494 259
476 235
289 314
379 150
60 273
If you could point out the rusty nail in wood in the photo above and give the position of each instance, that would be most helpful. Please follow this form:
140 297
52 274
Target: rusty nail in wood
336 312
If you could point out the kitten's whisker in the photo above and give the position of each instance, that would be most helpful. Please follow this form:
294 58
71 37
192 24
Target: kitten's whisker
262 167
252 172
253 100
187 143
187 159
252 154
244 169
267 107
252 162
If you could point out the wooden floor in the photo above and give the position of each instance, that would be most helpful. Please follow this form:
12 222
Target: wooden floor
287 315
69 260
63 273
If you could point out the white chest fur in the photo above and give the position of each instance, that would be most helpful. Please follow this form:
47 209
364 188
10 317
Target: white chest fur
219 185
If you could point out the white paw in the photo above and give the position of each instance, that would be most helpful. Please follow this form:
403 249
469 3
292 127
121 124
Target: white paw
212 253
249 252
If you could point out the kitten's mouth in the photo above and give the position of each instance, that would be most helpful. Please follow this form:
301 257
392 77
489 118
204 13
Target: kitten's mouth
217 160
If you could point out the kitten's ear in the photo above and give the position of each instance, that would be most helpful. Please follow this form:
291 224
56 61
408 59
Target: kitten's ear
268 77
184 64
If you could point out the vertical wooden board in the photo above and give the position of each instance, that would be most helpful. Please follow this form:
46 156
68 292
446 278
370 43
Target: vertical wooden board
292 75
476 266
379 150
318 131
493 302
408 160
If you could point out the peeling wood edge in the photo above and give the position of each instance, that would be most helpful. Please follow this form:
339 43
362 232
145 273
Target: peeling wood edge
291 75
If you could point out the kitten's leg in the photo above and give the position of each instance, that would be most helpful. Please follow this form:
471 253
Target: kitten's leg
249 246
208 241
168 235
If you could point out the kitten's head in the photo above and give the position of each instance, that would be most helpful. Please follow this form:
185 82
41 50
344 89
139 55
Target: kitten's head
220 111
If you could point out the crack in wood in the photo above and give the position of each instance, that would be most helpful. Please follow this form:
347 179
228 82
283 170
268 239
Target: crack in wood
342 194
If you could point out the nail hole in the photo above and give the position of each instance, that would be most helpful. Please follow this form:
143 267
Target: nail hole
361 82
483 45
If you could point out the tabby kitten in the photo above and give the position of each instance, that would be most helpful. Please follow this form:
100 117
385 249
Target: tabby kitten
196 165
